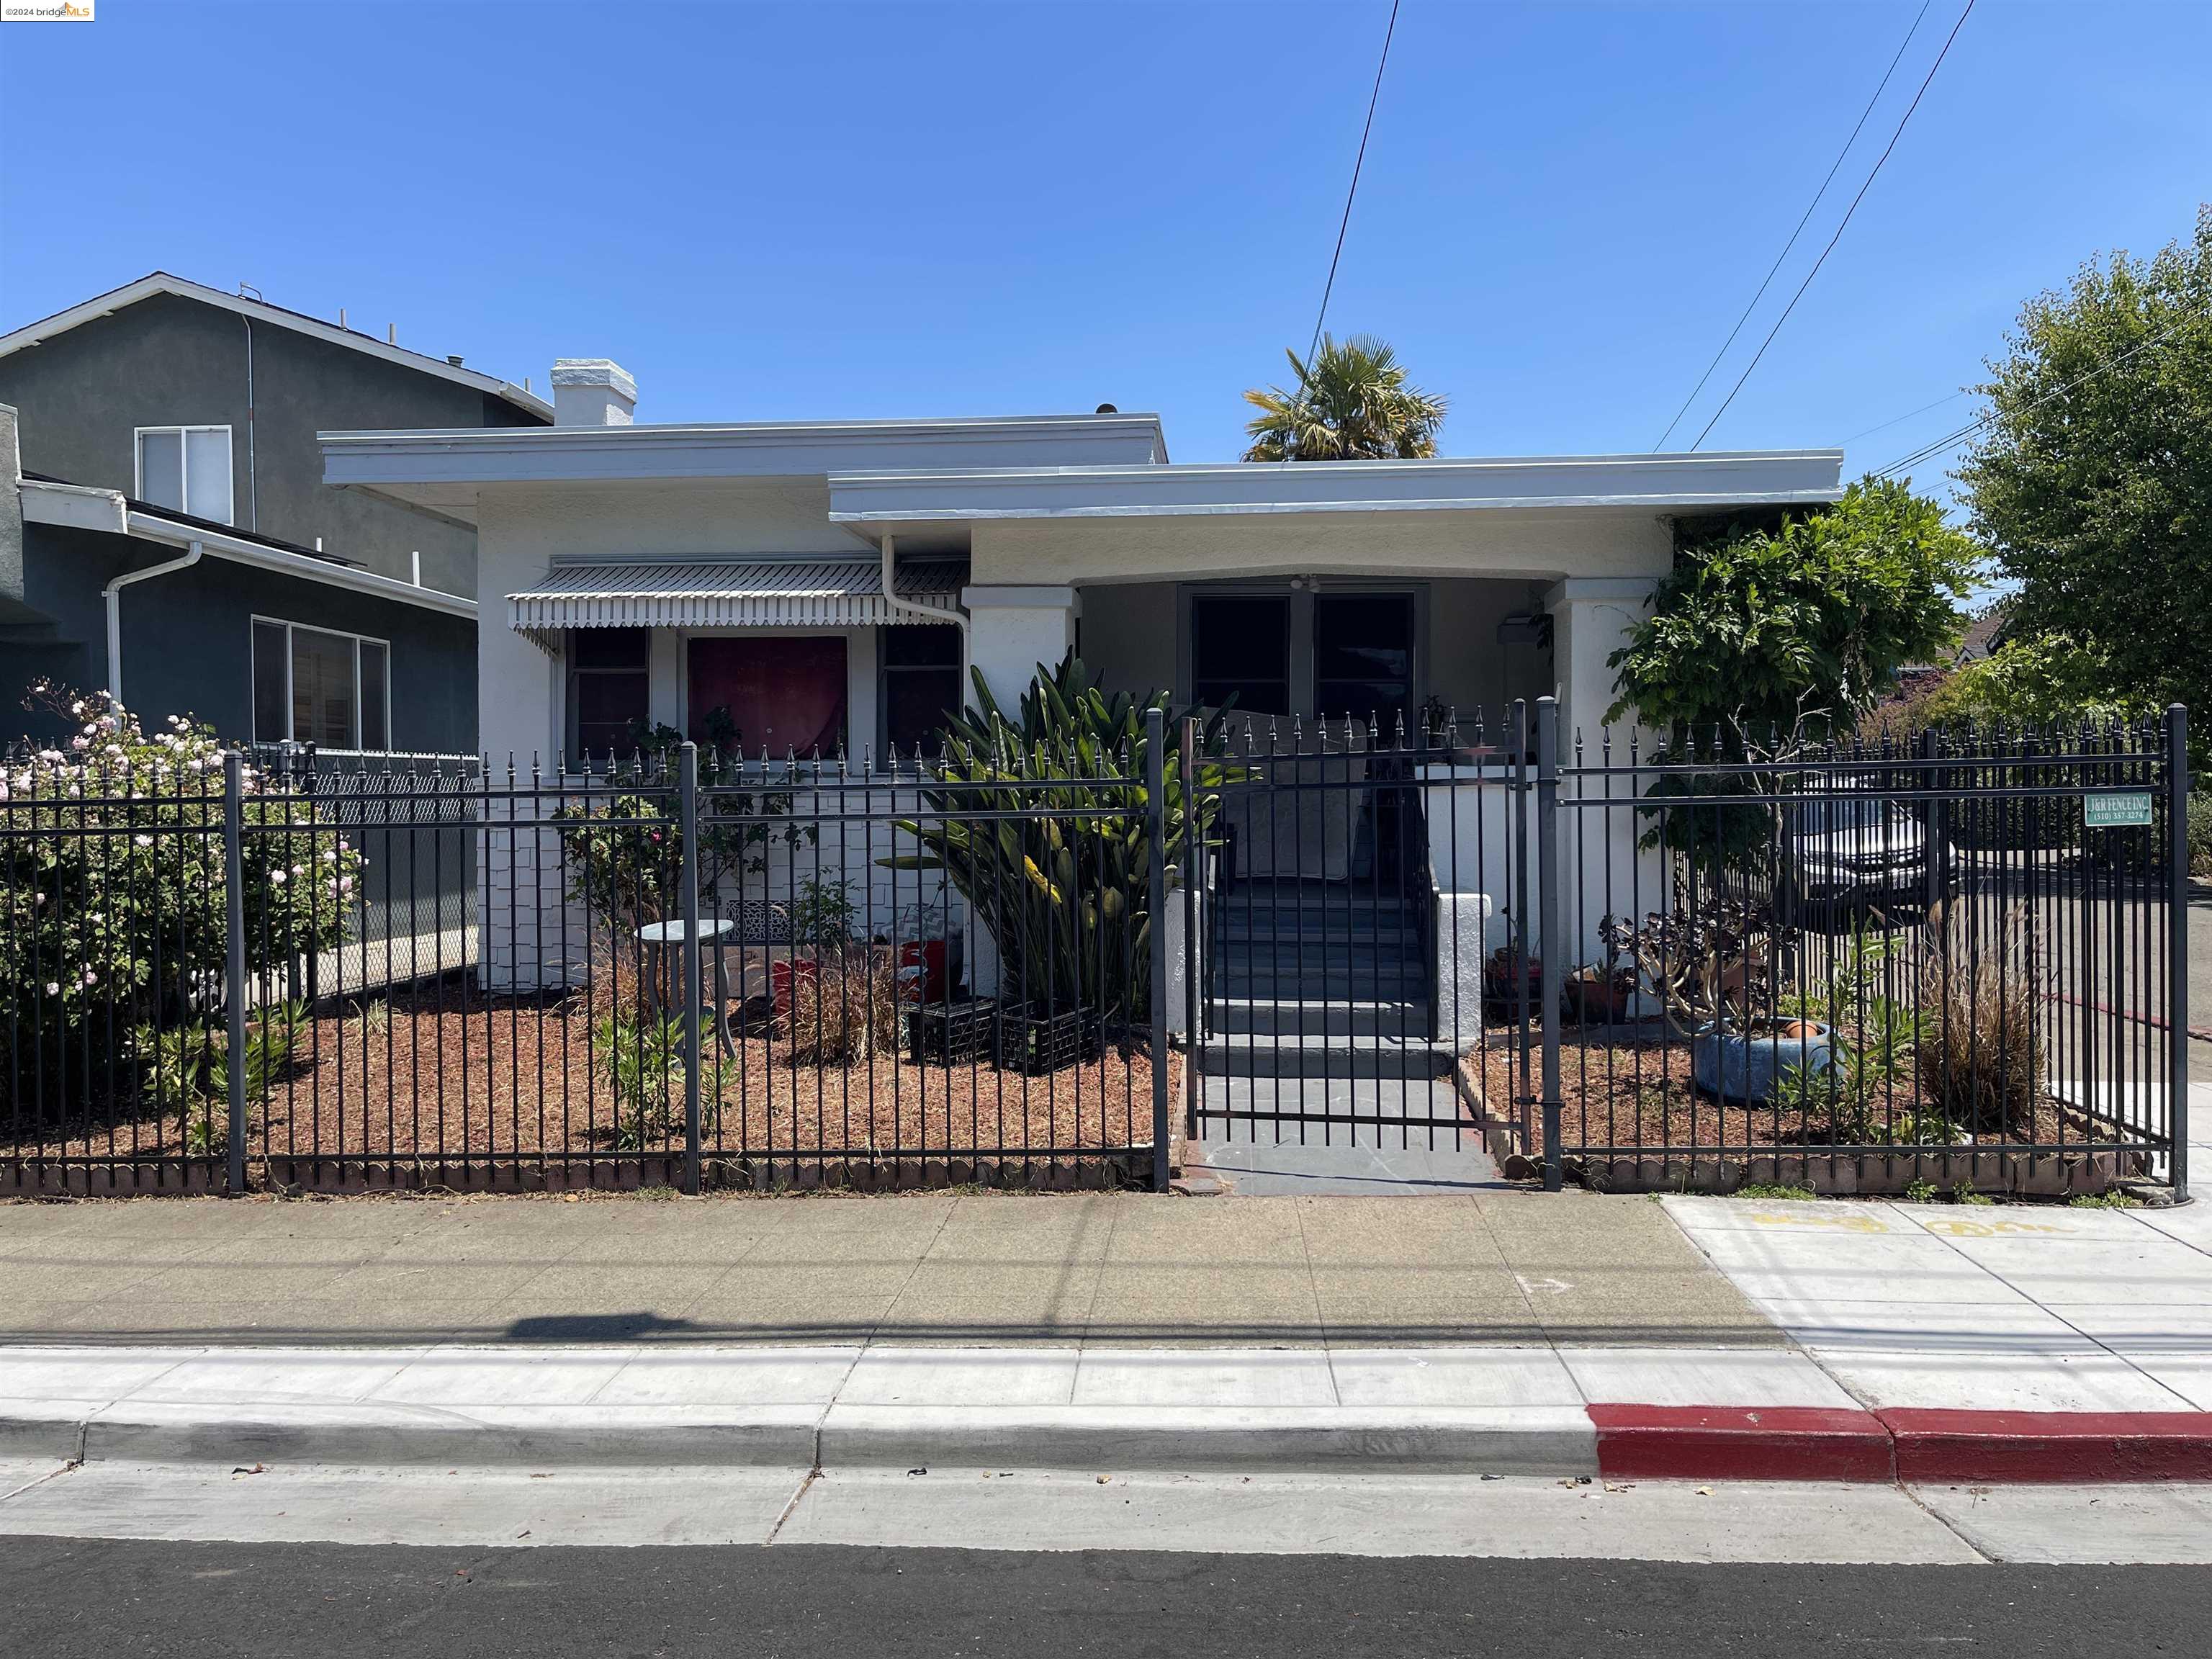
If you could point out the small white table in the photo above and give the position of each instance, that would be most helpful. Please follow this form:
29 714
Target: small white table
665 935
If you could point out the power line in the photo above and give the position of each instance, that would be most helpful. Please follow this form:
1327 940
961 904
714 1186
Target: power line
1840 229
1954 439
1359 161
1799 231
1952 399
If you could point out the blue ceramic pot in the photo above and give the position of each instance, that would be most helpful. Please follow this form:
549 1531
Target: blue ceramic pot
1741 1066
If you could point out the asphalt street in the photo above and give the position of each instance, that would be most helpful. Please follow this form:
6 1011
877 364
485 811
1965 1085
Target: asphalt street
61 1599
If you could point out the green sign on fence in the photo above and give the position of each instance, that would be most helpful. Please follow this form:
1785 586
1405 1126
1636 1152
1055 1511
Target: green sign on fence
2115 811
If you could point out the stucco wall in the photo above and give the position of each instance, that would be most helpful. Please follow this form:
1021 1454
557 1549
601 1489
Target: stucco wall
1468 668
187 644
522 529
1503 543
1128 635
171 360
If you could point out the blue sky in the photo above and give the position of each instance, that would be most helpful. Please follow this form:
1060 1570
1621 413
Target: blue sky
768 211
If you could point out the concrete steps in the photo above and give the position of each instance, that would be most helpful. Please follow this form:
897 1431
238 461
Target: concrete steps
1324 1057
1301 1016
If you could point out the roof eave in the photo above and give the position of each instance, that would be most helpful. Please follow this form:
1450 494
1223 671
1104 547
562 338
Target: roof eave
161 282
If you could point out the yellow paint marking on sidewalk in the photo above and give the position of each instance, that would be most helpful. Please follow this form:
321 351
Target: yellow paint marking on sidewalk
1951 1229
1844 1223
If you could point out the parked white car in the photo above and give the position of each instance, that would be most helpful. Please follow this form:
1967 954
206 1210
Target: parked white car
1848 849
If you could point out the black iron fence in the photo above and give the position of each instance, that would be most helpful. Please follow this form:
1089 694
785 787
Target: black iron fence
297 974
1958 962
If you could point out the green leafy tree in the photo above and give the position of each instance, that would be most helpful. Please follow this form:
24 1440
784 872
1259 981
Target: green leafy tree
2043 679
1797 630
1352 403
2092 484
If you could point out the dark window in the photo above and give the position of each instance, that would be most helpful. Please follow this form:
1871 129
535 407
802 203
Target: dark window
325 692
374 675
272 696
609 689
1363 656
313 685
781 694
921 685
1240 646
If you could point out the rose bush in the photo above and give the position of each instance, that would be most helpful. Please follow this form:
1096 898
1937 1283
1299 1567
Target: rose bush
113 891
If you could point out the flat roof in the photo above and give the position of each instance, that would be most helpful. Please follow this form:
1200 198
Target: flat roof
443 469
1676 483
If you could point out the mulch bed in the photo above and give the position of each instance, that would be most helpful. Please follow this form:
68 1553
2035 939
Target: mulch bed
1635 1094
440 1071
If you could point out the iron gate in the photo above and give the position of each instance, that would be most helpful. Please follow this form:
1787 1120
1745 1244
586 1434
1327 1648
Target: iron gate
1343 950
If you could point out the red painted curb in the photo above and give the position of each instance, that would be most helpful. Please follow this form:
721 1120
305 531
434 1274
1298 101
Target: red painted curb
1795 1443
1740 1442
1995 1448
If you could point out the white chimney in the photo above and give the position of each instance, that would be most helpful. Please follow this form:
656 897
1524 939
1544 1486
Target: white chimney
592 391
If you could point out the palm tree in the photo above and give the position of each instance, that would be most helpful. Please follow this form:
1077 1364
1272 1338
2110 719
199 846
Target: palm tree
1352 405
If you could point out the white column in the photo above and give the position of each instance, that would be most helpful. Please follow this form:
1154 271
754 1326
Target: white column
1012 629
1591 618
1602 868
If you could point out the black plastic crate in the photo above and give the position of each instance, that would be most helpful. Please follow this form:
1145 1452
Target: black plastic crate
1038 1043
952 1033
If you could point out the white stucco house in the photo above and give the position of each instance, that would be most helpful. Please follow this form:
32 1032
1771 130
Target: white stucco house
829 581
621 564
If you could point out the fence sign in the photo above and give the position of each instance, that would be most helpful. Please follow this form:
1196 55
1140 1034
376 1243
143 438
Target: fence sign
2115 811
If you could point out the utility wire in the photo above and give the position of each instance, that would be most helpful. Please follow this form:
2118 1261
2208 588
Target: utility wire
1954 439
1952 398
1359 161
1840 229
1805 219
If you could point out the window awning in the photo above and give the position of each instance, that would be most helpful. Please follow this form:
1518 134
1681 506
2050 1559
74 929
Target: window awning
733 594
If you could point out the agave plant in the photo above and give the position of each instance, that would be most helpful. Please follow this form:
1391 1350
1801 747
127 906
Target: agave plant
1065 888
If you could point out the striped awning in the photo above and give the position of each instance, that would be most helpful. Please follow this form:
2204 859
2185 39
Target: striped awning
733 594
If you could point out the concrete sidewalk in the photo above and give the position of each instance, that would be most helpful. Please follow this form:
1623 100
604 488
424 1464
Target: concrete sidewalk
1079 1270
2017 1307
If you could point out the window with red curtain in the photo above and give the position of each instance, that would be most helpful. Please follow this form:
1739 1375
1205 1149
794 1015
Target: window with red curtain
781 694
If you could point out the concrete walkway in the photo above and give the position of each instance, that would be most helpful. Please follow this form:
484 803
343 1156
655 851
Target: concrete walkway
1491 1267
1379 1154
2023 1308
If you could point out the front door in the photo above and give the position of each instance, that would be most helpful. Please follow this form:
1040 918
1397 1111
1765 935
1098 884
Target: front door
1349 653
1362 654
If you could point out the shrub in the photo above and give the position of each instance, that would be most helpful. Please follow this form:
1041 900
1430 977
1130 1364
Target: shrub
643 1062
1705 961
186 1069
1769 628
112 907
846 1010
1980 1056
1066 891
2199 834
624 846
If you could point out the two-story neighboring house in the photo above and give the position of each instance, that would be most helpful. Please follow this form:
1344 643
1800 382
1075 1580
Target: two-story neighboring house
165 533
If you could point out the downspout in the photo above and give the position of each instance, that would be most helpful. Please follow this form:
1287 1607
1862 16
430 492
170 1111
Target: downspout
957 618
112 593
253 487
